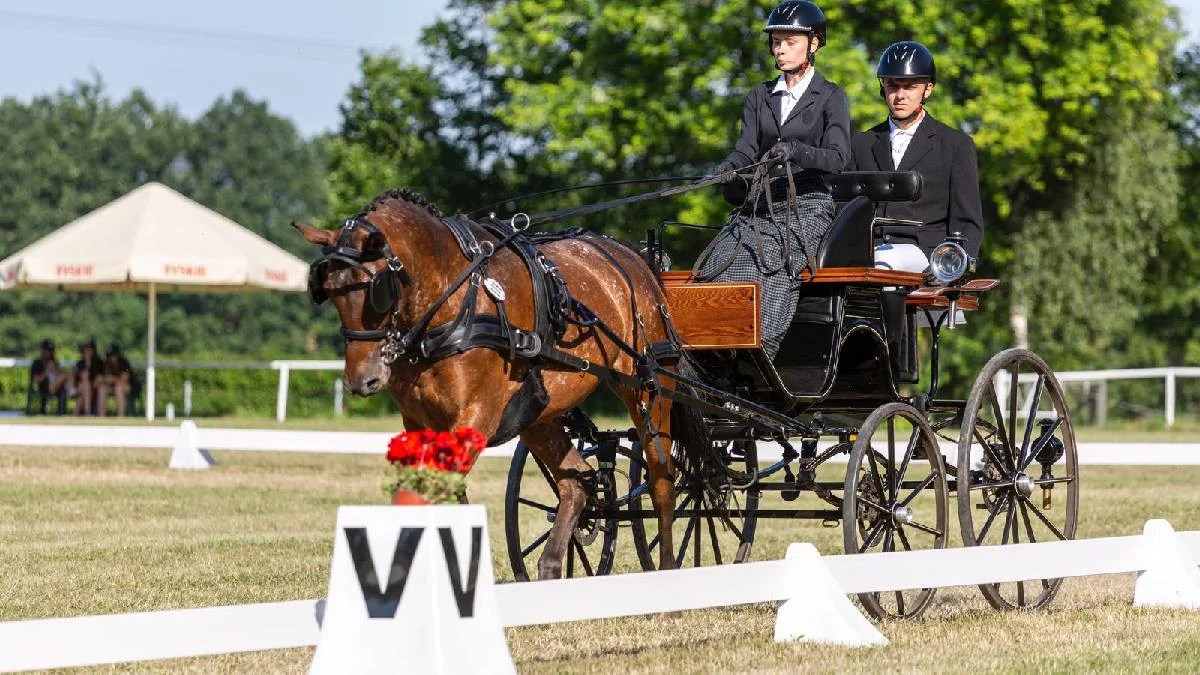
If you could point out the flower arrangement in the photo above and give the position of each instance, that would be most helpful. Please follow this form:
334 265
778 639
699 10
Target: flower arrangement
432 464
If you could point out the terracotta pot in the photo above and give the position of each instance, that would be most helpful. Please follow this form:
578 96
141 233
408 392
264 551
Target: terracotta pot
408 498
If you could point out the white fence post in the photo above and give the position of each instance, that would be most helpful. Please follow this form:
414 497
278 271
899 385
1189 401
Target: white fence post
187 398
281 402
1170 402
338 394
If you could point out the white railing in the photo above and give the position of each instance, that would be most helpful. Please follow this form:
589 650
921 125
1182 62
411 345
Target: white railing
1169 376
1168 559
285 368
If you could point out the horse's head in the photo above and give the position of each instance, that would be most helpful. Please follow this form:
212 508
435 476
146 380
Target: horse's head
355 273
364 270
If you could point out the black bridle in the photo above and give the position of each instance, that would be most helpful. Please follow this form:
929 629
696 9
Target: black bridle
383 287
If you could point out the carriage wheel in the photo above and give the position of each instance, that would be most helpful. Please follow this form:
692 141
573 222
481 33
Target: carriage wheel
531 503
895 499
714 521
1018 469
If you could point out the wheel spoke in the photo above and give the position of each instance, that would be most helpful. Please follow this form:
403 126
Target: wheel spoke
882 509
874 471
712 534
1033 408
903 538
925 528
687 537
536 505
889 542
987 449
1028 524
1037 512
536 542
1021 593
919 489
992 513
1033 452
583 559
872 535
546 474
1008 519
908 455
571 559
1014 391
995 404
991 486
900 603
891 459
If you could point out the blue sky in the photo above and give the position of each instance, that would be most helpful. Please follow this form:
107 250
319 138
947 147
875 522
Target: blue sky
300 56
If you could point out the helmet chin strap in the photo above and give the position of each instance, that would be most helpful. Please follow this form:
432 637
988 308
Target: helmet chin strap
803 67
920 109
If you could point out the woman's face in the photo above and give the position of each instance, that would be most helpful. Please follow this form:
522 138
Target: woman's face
789 49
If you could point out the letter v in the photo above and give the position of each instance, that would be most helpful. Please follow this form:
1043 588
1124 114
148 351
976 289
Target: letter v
382 603
463 595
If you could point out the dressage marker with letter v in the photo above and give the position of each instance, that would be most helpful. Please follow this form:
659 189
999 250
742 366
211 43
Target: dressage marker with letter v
399 603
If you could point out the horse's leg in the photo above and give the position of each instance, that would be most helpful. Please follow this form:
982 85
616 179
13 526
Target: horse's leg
550 443
656 444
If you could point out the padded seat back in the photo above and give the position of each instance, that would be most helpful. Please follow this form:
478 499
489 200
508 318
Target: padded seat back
848 242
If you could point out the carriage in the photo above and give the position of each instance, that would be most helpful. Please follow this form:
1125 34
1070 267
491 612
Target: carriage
838 427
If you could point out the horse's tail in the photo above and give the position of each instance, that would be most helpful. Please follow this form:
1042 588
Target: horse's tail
693 442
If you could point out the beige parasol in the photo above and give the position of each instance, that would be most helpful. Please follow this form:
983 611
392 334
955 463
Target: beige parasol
149 239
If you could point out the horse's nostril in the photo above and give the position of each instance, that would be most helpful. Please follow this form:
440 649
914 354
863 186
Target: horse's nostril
372 385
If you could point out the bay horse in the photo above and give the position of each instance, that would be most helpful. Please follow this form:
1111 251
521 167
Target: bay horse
402 236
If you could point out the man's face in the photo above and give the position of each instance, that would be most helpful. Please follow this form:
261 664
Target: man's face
789 49
904 96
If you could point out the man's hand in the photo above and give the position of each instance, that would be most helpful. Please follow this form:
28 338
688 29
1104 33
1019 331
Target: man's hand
725 171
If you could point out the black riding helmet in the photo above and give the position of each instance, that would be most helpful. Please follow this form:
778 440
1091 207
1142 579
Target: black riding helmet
799 16
906 60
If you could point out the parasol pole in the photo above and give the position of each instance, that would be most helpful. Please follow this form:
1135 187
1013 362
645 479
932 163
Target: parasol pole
150 354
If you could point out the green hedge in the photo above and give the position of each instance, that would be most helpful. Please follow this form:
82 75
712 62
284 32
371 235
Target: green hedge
252 393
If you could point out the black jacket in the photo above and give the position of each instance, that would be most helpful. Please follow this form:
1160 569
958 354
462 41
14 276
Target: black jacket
949 201
818 127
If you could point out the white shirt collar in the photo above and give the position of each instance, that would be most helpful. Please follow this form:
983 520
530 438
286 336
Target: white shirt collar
894 130
797 91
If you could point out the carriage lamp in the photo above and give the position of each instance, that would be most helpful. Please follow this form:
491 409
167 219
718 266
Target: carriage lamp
949 262
1051 451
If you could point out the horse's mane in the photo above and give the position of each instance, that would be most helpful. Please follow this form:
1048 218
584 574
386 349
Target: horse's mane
403 194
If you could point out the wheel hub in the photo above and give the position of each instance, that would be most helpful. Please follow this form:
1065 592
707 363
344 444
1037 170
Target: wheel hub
1024 484
902 515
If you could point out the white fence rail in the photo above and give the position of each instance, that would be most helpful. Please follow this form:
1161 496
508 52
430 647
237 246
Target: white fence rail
1100 378
375 443
96 640
284 367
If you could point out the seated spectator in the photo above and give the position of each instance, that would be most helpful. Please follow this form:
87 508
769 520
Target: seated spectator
118 379
48 379
87 374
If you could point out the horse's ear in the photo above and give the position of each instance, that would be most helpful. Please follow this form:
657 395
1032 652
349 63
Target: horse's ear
315 235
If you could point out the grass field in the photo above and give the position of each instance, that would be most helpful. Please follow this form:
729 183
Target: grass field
101 531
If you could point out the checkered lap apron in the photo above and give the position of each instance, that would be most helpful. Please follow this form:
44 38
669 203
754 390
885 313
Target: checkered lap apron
752 247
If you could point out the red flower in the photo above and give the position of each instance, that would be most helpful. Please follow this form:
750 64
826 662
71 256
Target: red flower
441 450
